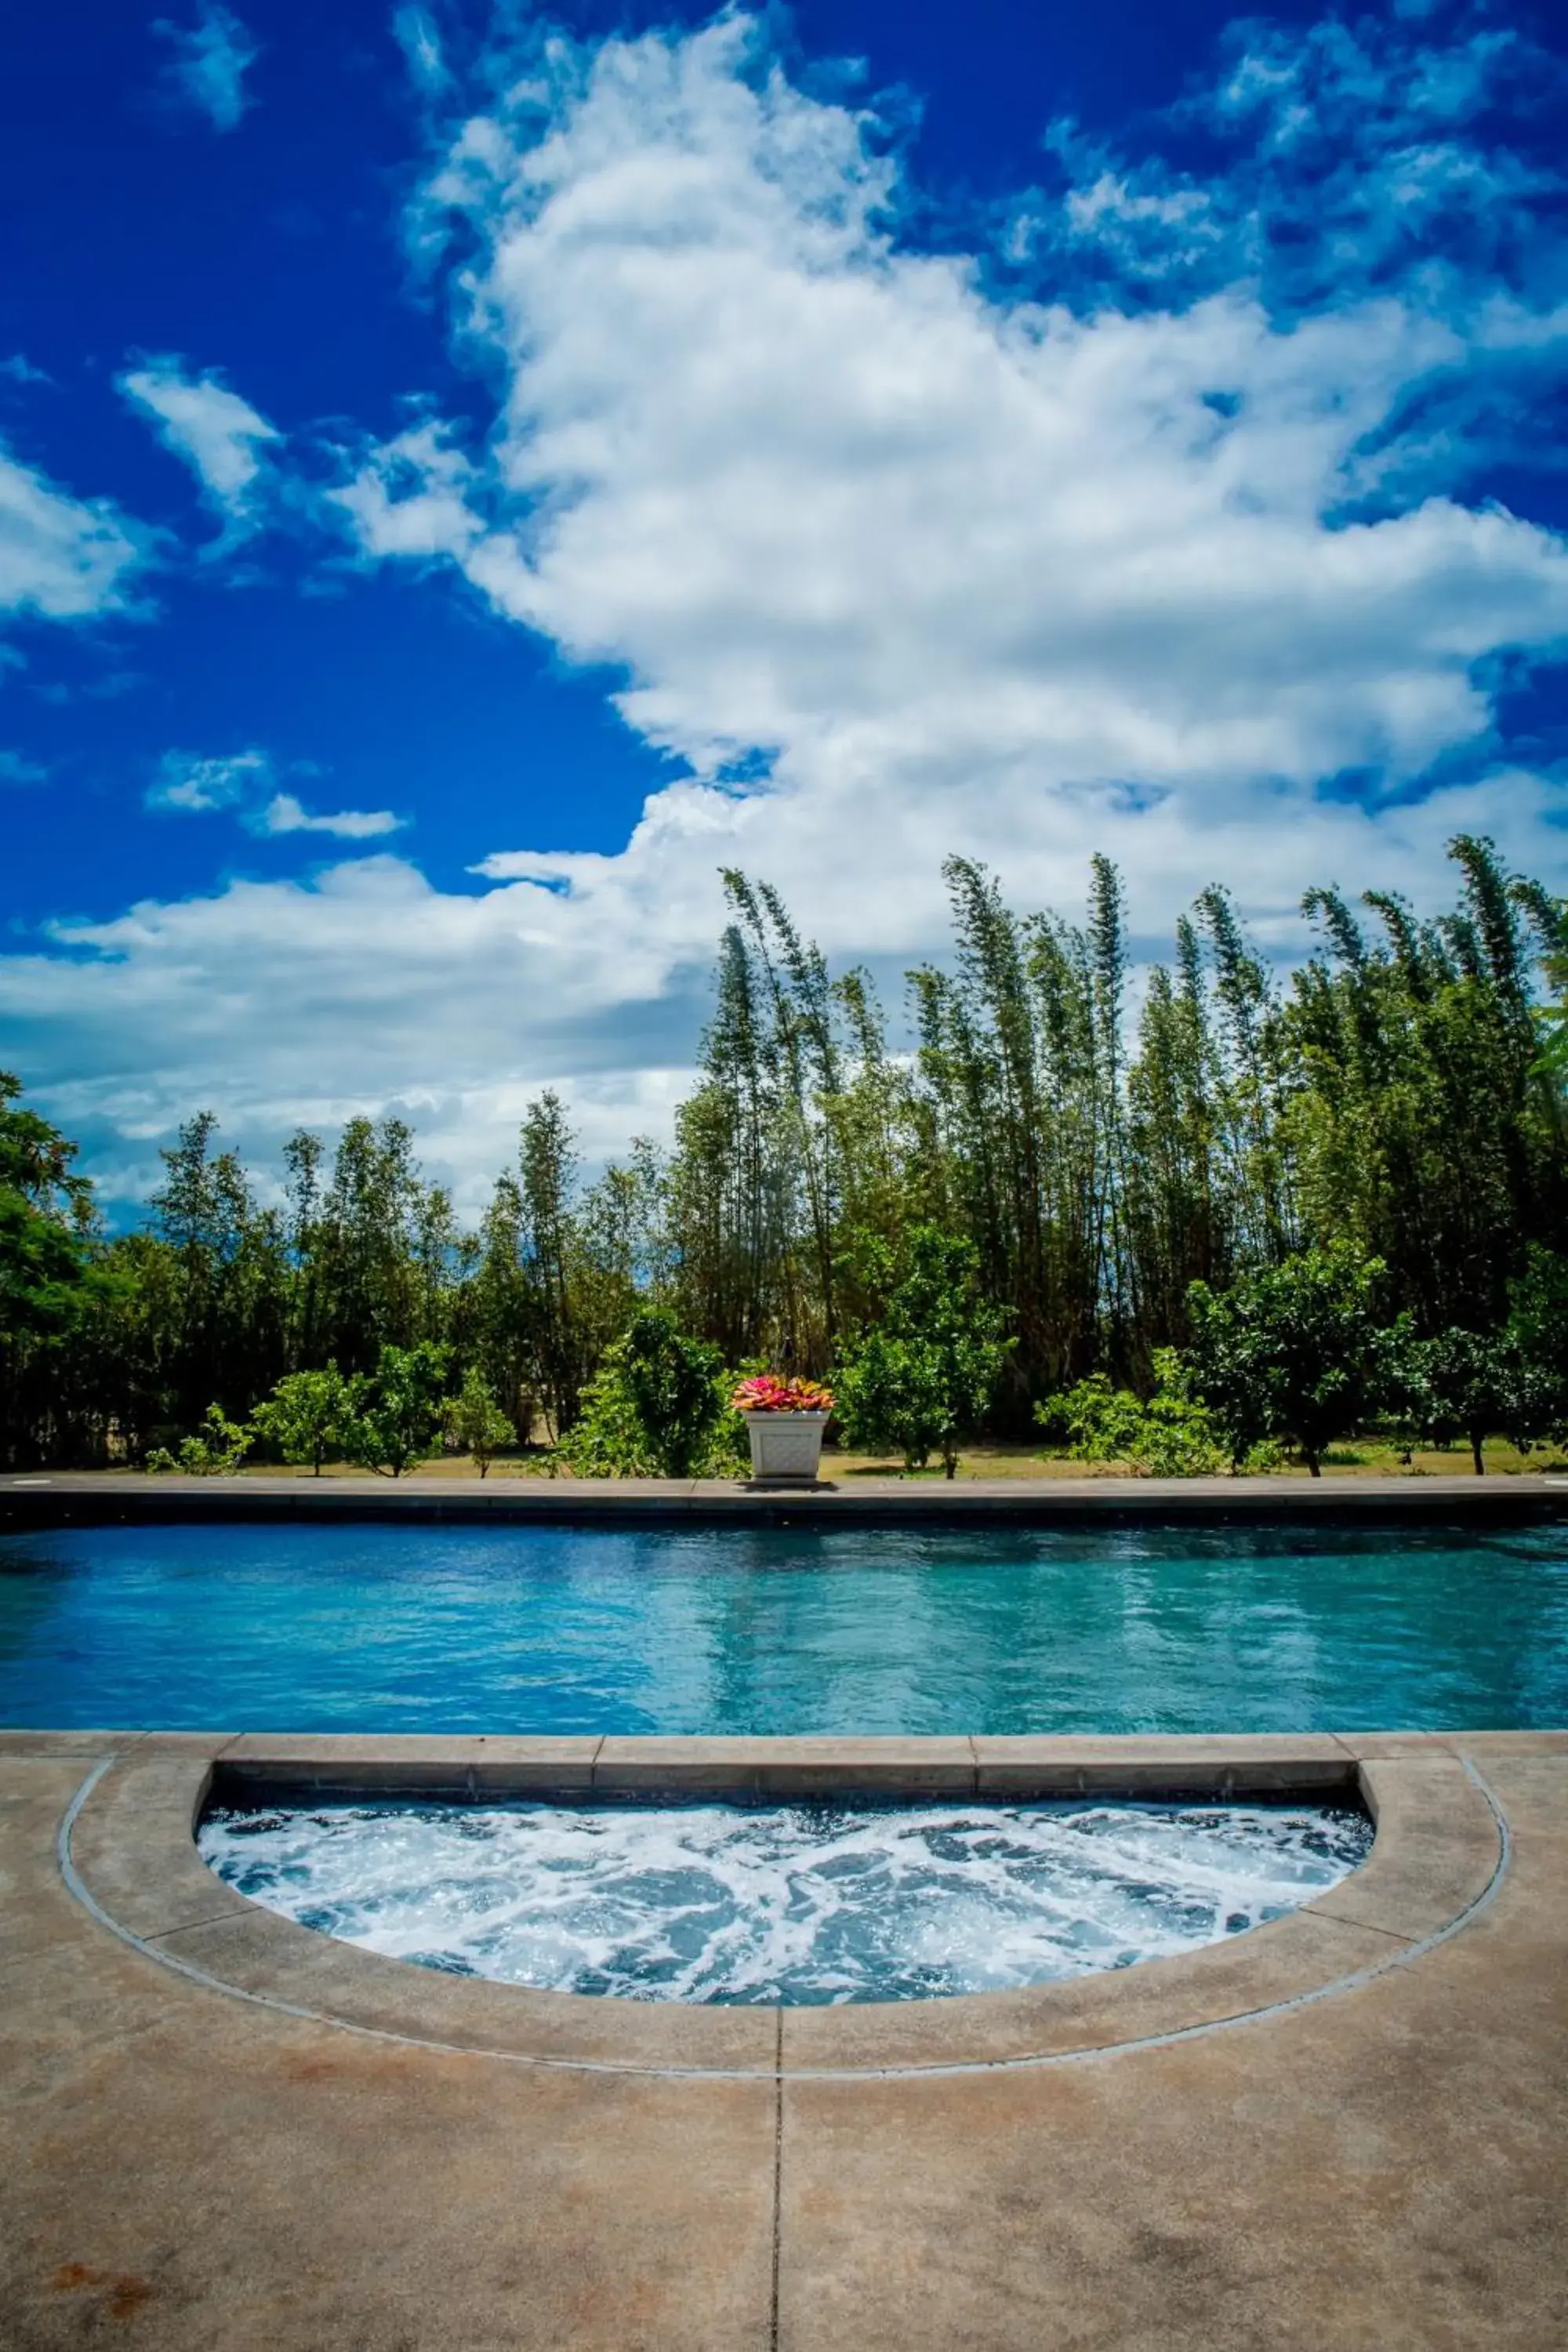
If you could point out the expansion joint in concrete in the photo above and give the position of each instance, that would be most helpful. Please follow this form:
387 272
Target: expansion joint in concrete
778 2180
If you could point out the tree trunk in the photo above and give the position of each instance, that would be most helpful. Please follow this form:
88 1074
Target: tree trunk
1476 1457
1314 1466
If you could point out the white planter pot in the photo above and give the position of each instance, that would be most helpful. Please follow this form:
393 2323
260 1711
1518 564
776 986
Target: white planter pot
786 1445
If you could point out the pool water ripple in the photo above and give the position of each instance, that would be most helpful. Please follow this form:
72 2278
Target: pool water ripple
425 1628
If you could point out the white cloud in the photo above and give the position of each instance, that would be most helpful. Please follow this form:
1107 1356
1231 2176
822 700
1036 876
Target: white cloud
62 558
211 58
15 768
187 784
18 369
942 569
820 495
284 813
209 428
411 496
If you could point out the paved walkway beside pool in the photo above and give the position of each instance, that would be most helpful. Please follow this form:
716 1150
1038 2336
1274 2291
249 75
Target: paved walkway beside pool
1344 2130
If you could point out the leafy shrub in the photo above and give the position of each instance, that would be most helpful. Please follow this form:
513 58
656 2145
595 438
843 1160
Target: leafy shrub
475 1422
395 1414
658 1407
1292 1353
1168 1435
921 1380
308 1417
217 1449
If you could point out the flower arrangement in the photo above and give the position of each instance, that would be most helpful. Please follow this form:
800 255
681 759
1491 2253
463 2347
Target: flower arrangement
768 1393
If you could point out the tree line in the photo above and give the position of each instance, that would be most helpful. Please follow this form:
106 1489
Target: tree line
1109 1167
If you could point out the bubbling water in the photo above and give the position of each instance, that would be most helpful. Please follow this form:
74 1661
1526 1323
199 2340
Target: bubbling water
801 1903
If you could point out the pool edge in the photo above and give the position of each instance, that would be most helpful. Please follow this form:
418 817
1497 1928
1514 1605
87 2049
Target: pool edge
127 1850
62 1498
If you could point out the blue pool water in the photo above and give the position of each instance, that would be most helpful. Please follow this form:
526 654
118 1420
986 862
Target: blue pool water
498 1629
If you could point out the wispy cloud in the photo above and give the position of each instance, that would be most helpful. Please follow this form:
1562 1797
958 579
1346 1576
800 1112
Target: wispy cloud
188 785
205 73
284 813
211 429
63 557
17 770
1346 159
19 369
413 30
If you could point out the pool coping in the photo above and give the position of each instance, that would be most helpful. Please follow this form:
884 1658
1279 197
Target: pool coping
127 1853
63 1498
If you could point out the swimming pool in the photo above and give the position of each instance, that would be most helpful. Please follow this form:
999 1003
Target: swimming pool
766 1630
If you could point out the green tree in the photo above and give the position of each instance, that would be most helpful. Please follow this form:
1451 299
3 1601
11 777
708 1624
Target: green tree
369 1245
1450 1386
1398 1095
397 1416
732 1198
1538 1324
227 1301
1291 1352
500 1308
549 1181
921 1380
475 1424
1473 1384
308 1417
46 1221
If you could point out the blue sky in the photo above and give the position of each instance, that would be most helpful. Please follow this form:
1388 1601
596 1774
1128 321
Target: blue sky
467 474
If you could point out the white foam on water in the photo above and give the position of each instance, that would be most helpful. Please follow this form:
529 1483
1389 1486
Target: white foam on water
791 1903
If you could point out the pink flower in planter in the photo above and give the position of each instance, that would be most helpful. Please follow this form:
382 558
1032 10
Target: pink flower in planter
767 1392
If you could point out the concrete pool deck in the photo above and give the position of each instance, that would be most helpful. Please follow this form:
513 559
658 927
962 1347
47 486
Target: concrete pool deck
1345 2129
99 1497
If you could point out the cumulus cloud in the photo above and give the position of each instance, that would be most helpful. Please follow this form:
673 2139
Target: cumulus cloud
62 558
954 565
284 813
189 786
890 561
205 73
211 429
15 768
